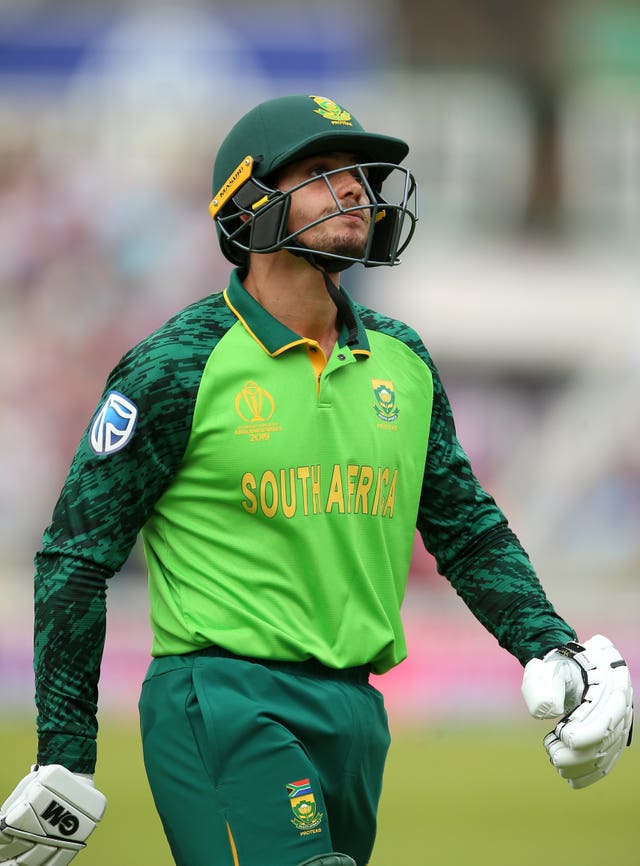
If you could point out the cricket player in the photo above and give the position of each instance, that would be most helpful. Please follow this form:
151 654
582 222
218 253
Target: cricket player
276 445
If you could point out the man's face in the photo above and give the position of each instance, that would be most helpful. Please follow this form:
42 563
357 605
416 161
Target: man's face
343 234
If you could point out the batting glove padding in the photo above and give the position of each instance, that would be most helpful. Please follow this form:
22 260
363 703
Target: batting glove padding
48 817
591 685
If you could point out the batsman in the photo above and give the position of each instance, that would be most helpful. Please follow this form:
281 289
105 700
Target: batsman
276 445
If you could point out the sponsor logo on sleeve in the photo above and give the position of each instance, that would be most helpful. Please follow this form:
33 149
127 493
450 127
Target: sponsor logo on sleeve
114 424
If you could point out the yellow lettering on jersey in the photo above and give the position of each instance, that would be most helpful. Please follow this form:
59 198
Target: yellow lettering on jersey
303 473
336 493
315 489
248 484
351 489
364 486
268 501
381 479
288 501
353 470
387 510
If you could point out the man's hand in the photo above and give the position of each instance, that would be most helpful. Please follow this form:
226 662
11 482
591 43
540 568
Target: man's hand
48 818
590 687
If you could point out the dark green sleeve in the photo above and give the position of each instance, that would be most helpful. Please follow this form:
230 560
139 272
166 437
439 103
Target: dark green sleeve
475 549
103 505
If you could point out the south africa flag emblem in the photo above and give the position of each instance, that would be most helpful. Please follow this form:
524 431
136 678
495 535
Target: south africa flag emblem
303 804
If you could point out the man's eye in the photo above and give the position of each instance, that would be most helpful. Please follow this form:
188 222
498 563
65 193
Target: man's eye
320 169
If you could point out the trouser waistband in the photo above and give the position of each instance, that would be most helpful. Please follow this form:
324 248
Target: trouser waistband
309 667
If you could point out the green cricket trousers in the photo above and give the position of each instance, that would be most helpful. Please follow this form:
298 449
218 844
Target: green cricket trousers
255 763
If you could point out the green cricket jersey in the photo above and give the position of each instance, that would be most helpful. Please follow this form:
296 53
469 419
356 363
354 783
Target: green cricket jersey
277 493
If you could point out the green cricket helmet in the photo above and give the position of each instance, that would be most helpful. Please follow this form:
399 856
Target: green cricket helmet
251 213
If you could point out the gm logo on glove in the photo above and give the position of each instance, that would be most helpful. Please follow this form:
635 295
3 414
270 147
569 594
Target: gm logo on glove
57 816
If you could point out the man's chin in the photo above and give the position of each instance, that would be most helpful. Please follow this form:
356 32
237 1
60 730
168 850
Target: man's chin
346 243
347 246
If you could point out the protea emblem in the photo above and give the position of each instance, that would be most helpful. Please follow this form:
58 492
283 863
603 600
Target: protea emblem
113 426
330 110
385 405
303 804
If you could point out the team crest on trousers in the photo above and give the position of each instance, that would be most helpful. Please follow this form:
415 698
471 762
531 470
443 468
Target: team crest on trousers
306 817
385 406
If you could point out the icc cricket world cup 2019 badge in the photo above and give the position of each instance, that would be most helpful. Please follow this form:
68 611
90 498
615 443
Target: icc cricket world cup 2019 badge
306 817
255 407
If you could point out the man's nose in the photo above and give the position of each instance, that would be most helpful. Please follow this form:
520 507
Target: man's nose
349 184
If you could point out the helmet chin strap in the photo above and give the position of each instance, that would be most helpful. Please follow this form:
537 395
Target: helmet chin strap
327 266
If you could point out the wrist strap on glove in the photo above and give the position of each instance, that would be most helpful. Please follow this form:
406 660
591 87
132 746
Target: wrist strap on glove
590 677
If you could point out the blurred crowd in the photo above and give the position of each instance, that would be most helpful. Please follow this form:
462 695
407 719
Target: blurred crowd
93 259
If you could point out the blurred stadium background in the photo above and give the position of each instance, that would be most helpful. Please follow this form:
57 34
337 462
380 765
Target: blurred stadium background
523 279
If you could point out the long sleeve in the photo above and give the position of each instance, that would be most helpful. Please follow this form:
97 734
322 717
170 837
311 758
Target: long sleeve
70 611
104 503
477 551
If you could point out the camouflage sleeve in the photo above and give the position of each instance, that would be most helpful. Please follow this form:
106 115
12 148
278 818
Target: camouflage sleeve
125 460
475 549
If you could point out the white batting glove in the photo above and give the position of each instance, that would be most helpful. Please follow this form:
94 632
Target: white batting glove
590 687
48 817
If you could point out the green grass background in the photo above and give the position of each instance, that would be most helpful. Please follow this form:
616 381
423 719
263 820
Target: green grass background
454 796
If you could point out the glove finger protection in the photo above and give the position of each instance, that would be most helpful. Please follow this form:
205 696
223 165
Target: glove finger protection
564 757
589 739
582 767
48 817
